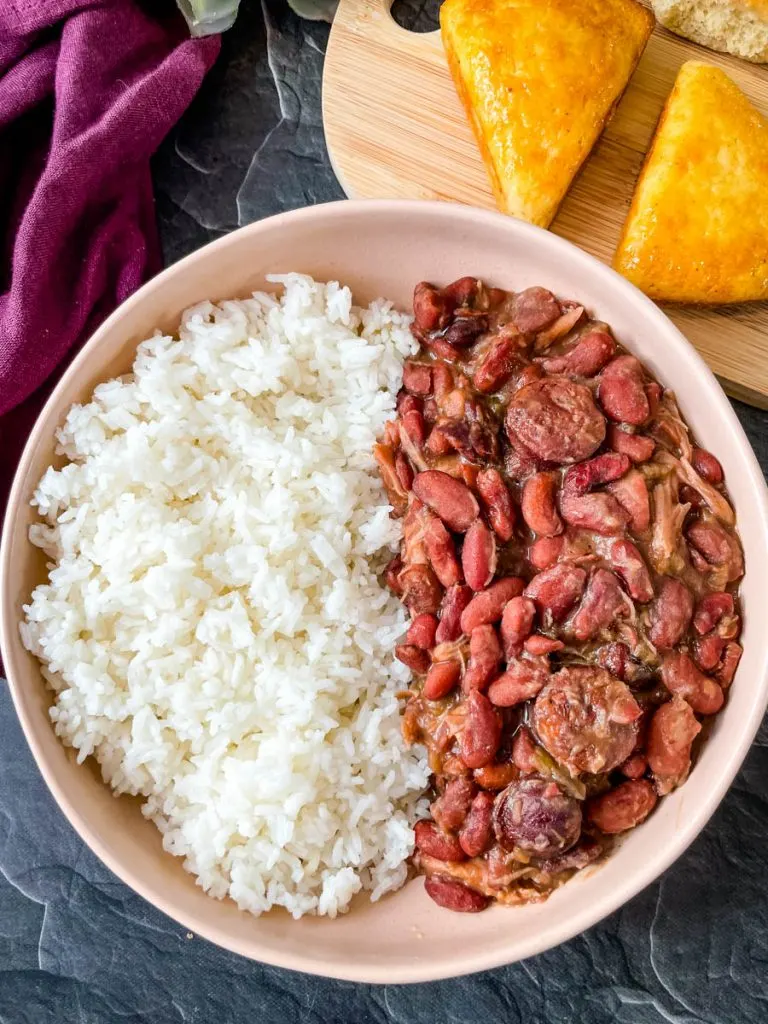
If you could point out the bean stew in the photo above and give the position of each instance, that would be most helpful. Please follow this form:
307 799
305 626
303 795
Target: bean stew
570 564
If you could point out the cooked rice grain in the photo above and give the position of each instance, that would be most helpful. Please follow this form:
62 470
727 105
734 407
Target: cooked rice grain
213 626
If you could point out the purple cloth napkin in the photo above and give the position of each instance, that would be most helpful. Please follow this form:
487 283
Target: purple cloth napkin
88 90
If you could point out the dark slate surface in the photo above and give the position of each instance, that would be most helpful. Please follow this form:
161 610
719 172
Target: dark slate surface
77 946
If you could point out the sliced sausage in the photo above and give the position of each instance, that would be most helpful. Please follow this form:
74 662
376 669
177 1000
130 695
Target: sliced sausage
586 719
556 419
536 816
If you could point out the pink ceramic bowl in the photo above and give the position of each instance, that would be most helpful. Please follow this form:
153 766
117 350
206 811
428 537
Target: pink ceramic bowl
383 248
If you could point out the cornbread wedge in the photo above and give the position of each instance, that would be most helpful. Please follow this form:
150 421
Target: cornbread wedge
697 229
539 79
735 26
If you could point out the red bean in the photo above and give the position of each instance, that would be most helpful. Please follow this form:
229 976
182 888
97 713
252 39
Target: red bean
634 767
497 503
465 329
671 613
453 895
451 808
417 378
449 498
631 492
630 565
433 842
485 657
707 466
589 355
421 632
555 591
603 601
599 512
718 546
455 601
497 364
477 832
441 551
601 470
682 678
538 505
524 751
622 391
442 678
517 623
488 605
404 471
478 555
545 551
416 659
534 309
623 807
538 644
461 292
638 447
729 664
482 731
614 657
710 610
428 307
672 731
522 680
707 651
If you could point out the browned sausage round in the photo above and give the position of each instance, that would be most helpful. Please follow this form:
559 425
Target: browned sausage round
536 816
557 420
586 719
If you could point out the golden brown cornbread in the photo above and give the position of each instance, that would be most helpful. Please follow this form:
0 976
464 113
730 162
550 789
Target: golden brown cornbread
539 79
734 26
697 229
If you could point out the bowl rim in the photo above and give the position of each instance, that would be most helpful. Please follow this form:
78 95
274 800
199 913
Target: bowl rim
541 940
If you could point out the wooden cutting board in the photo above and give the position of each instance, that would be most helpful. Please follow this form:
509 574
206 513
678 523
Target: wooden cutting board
395 129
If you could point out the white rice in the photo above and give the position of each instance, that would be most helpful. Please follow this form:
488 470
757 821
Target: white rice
213 626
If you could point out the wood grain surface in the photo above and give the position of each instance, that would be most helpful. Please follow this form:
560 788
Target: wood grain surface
395 129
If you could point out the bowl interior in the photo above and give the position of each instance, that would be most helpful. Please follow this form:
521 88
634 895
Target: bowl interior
383 248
